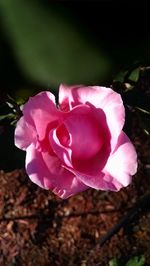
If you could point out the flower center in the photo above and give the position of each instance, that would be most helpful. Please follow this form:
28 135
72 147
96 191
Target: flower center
82 135
63 135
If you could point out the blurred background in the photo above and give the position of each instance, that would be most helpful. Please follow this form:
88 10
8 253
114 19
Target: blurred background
45 43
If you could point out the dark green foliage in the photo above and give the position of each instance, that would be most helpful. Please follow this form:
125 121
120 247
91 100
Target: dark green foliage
135 261
50 48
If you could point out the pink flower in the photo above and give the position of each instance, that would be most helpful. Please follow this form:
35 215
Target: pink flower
78 145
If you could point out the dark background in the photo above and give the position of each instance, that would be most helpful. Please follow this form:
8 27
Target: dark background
121 30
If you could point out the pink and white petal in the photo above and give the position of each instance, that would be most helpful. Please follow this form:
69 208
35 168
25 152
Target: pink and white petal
46 171
66 99
93 181
118 171
90 172
70 186
24 134
35 166
122 164
65 184
115 115
112 183
41 112
101 97
62 152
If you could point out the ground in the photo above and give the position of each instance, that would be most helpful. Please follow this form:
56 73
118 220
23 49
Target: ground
38 228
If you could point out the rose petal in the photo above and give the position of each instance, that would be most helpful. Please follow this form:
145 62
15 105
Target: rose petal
66 99
40 112
101 97
24 134
62 152
85 133
75 154
97 180
93 179
118 171
46 171
94 165
122 164
65 184
88 165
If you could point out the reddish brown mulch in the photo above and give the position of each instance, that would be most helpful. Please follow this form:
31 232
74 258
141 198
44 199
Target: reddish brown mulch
37 228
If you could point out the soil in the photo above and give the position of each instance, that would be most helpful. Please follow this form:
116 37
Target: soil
38 228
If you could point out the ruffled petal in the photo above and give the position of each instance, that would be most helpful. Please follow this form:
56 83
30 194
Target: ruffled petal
63 153
41 112
57 136
118 171
66 99
85 132
122 164
97 180
101 97
24 134
47 172
82 141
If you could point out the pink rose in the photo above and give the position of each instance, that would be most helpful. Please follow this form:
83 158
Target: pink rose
78 145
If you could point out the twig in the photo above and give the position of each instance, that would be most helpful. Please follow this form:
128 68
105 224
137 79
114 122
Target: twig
42 216
140 206
26 217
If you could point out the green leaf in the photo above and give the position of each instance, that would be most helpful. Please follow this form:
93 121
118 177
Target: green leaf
134 76
49 48
113 262
136 261
8 116
120 76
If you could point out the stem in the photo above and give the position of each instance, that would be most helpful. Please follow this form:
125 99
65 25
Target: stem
139 206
